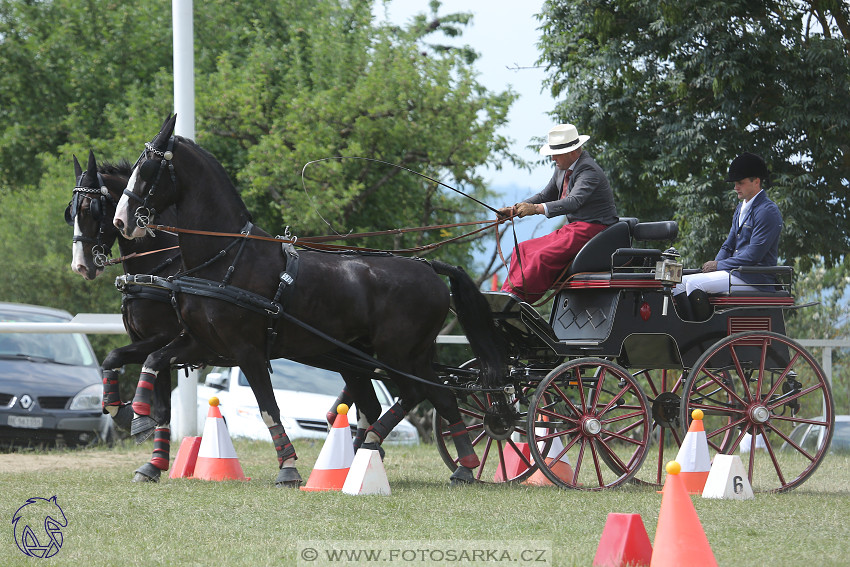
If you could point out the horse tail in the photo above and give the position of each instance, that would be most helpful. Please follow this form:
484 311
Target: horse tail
473 313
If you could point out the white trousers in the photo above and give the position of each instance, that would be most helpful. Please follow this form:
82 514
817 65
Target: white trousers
711 282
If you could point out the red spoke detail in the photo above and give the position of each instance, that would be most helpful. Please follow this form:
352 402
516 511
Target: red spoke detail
520 454
502 466
623 416
770 452
581 397
564 397
553 414
479 437
579 459
484 458
790 442
660 455
598 468
611 453
470 413
782 376
760 378
799 420
800 394
649 381
740 370
715 381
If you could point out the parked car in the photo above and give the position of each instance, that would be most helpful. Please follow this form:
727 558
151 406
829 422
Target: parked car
50 384
304 395
809 436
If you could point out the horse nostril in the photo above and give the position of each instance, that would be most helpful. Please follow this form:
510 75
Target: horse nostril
119 224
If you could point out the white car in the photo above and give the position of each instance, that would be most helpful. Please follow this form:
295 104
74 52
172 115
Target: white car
304 395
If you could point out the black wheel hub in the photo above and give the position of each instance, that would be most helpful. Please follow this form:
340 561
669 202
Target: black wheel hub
499 421
665 410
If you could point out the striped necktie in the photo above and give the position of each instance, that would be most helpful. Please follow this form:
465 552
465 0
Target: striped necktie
565 189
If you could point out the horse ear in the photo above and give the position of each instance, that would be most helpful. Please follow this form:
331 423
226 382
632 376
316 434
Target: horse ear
78 170
92 167
165 132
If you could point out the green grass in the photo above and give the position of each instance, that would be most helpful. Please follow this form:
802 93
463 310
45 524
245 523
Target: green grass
112 521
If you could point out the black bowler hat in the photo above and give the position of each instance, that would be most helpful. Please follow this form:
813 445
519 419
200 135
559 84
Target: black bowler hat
748 165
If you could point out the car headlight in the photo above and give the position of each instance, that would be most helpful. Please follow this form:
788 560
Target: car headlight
88 399
402 436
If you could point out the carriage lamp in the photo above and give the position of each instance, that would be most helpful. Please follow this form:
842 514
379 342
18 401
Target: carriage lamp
668 271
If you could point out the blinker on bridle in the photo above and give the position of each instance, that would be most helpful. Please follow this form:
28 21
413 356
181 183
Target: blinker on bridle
145 213
98 198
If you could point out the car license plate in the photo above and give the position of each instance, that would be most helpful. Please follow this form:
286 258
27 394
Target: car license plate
26 422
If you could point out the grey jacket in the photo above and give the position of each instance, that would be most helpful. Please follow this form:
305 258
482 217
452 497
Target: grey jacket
590 198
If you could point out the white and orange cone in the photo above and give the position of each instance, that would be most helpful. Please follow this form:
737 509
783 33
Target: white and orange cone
217 458
561 467
693 456
335 458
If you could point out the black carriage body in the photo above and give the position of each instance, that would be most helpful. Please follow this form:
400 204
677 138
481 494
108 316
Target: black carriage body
643 336
627 324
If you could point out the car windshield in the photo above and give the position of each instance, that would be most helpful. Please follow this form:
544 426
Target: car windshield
61 348
289 375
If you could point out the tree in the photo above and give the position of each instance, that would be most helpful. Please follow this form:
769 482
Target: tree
278 84
672 91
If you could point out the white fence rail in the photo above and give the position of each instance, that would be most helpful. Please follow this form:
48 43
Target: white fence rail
109 324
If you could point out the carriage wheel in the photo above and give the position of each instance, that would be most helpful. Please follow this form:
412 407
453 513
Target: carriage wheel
664 392
496 427
761 389
598 420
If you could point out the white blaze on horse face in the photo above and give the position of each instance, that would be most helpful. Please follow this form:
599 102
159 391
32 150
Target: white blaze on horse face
126 213
78 259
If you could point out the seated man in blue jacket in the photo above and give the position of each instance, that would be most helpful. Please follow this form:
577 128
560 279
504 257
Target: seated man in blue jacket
752 241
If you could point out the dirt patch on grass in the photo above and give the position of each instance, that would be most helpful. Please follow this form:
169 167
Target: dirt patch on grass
89 460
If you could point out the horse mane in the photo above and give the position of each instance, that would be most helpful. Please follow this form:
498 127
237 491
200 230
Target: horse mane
220 168
122 168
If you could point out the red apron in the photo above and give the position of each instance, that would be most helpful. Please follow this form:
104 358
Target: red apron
542 259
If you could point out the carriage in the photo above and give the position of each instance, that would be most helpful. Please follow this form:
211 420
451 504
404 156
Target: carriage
611 378
605 383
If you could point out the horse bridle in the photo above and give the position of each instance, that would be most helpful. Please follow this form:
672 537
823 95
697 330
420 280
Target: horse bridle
99 198
146 213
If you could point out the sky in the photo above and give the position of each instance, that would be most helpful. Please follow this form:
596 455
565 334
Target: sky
505 34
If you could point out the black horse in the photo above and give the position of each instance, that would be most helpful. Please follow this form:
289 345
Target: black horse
323 303
148 315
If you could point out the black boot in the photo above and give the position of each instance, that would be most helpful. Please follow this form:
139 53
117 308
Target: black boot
683 307
700 306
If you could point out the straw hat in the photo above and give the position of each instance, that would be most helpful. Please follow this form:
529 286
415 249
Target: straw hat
563 139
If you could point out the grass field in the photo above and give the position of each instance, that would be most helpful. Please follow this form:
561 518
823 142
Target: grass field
112 521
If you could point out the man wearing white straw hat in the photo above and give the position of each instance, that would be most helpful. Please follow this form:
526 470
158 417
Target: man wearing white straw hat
579 190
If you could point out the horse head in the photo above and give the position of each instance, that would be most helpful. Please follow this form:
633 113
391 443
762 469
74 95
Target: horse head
147 188
90 211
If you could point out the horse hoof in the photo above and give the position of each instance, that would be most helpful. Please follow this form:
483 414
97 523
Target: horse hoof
374 447
288 477
147 473
142 428
123 418
462 476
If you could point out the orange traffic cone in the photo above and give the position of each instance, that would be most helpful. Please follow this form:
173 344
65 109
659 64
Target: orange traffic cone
335 458
624 541
514 462
693 456
217 458
187 457
679 537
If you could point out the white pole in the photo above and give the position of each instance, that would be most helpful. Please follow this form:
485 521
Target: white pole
184 68
184 106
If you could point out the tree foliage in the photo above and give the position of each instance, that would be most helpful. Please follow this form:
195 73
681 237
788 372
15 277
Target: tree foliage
279 84
671 91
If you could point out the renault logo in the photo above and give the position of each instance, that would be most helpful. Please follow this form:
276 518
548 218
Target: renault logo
26 401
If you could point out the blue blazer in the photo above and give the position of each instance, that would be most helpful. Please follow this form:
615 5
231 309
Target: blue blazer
755 242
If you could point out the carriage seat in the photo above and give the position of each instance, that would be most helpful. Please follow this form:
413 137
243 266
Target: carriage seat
611 248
